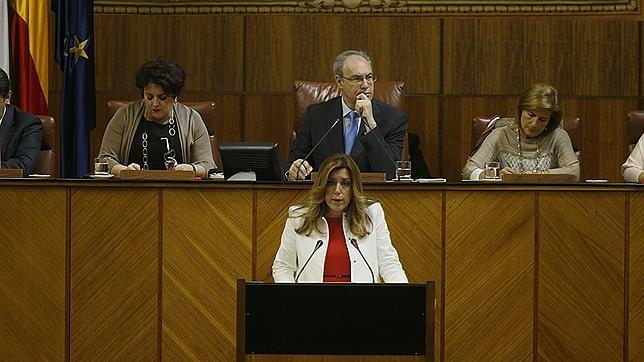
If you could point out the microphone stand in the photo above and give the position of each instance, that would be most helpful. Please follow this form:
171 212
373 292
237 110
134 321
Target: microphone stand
299 167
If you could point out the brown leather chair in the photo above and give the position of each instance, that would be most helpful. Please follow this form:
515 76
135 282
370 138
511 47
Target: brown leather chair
634 128
482 126
309 92
47 161
207 111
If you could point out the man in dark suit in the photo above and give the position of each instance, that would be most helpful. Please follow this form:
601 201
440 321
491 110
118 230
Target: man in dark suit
370 131
20 133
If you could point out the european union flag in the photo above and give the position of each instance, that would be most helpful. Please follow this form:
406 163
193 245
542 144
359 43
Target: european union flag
75 55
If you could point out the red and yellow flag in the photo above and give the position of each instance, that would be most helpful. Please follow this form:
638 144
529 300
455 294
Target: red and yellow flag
29 37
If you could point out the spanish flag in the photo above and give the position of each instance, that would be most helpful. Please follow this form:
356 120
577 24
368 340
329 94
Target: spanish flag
29 54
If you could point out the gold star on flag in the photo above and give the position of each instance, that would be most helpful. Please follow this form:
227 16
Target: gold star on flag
79 49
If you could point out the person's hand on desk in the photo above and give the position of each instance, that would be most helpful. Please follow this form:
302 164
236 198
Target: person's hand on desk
299 170
116 170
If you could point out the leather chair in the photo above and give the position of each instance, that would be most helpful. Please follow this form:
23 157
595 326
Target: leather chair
47 161
207 111
483 126
634 128
309 92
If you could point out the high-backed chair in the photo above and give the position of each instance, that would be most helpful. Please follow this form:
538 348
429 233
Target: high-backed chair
207 111
309 92
483 126
47 161
634 128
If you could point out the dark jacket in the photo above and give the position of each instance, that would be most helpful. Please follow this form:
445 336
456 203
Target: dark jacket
369 149
20 139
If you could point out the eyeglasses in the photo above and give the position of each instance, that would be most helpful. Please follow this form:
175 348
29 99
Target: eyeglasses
356 79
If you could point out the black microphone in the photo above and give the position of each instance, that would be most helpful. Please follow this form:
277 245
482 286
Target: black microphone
318 244
384 148
299 167
354 242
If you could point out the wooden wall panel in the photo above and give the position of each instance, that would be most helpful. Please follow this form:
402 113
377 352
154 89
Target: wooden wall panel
419 244
208 47
114 274
604 134
33 271
269 118
503 56
271 214
636 278
281 49
201 265
489 276
581 276
424 120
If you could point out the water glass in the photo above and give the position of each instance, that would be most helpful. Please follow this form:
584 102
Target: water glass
403 171
492 170
101 166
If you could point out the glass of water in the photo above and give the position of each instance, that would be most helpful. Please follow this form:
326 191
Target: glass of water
403 171
492 170
101 166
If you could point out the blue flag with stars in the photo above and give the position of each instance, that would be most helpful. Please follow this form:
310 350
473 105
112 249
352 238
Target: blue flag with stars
75 54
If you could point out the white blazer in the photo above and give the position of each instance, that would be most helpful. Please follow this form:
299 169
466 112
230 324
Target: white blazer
376 247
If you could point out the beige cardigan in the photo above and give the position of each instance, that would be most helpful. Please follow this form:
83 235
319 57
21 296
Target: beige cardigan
195 143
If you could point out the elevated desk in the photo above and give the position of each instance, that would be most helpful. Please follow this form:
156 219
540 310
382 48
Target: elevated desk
110 269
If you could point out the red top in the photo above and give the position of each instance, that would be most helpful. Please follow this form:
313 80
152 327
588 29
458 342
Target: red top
337 267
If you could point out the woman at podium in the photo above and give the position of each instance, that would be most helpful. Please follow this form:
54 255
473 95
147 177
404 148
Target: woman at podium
338 234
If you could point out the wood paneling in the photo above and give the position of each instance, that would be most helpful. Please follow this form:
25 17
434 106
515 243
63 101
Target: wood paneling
271 214
281 49
201 264
114 274
269 118
581 276
578 57
424 120
33 270
419 244
489 276
208 47
636 279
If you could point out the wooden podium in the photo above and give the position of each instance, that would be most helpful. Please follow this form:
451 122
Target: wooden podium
349 321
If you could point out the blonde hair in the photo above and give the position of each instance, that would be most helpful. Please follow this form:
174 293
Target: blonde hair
541 95
315 206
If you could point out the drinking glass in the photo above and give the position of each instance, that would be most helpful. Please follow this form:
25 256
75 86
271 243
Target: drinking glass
101 166
492 170
403 171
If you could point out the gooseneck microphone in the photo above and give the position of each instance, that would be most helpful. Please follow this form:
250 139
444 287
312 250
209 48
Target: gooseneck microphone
354 242
384 148
299 167
318 244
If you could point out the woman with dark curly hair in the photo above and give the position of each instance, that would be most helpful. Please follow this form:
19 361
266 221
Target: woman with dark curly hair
157 132
338 234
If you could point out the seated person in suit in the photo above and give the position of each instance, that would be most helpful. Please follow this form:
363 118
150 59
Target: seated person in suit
157 132
20 133
633 168
340 221
370 131
535 144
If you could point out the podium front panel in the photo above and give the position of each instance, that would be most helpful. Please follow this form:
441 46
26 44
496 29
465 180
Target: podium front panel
348 319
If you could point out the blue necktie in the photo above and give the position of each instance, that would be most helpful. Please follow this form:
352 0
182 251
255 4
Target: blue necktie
350 132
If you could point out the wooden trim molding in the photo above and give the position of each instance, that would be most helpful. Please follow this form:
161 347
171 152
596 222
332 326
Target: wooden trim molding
370 7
